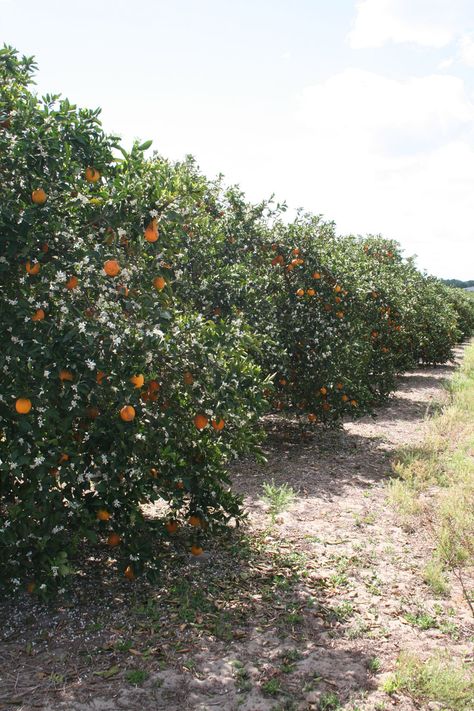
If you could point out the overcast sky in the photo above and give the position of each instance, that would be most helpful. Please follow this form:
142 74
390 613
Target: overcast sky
361 111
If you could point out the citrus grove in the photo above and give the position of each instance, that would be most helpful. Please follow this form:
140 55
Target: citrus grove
149 318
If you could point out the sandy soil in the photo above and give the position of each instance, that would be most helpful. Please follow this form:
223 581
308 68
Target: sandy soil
312 610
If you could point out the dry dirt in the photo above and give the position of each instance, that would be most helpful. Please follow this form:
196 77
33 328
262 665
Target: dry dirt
308 612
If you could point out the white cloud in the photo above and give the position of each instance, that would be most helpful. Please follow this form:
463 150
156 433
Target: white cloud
429 23
466 49
395 157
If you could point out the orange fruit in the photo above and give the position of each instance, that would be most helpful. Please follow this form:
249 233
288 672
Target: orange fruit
282 381
299 292
385 349
195 521
171 526
93 412
102 515
354 403
33 268
72 282
374 294
374 334
159 283
218 425
200 421
151 231
137 380
38 315
345 398
114 540
23 406
66 375
127 413
326 406
39 196
154 473
188 378
311 292
337 299
340 314
339 386
312 417
196 550
63 458
316 275
92 175
99 377
129 573
323 391
111 267
122 289
277 260
337 288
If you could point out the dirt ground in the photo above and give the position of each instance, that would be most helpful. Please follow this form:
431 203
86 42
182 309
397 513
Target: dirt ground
309 612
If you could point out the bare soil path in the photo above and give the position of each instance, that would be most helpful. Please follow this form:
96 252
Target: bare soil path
308 613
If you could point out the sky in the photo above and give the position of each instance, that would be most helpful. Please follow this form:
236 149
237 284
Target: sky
362 111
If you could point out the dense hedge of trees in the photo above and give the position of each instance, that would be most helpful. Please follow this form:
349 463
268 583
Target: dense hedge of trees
149 317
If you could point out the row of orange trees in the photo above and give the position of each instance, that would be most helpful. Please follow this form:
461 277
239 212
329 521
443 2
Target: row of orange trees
149 317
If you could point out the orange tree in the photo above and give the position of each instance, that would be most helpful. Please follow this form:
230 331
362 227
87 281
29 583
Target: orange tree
113 395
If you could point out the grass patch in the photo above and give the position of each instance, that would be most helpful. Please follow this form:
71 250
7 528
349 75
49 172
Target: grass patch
438 680
444 464
278 498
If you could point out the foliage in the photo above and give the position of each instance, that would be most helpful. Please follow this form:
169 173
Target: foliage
149 316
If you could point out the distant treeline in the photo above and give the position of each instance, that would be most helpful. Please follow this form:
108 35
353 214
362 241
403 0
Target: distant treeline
458 283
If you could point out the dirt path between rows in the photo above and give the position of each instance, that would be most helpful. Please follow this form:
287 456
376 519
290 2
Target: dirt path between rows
308 613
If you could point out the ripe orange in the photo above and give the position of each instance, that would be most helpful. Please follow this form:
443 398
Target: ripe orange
385 349
33 268
295 251
99 377
323 391
38 315
316 275
114 540
337 299
374 334
154 473
151 231
218 425
159 283
129 573
312 417
111 267
127 413
66 375
300 292
340 314
326 406
354 403
39 196
339 386
103 515
188 378
23 406
277 260
311 292
137 380
72 282
63 458
200 421
171 526
345 398
337 288
195 521
196 550
92 175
